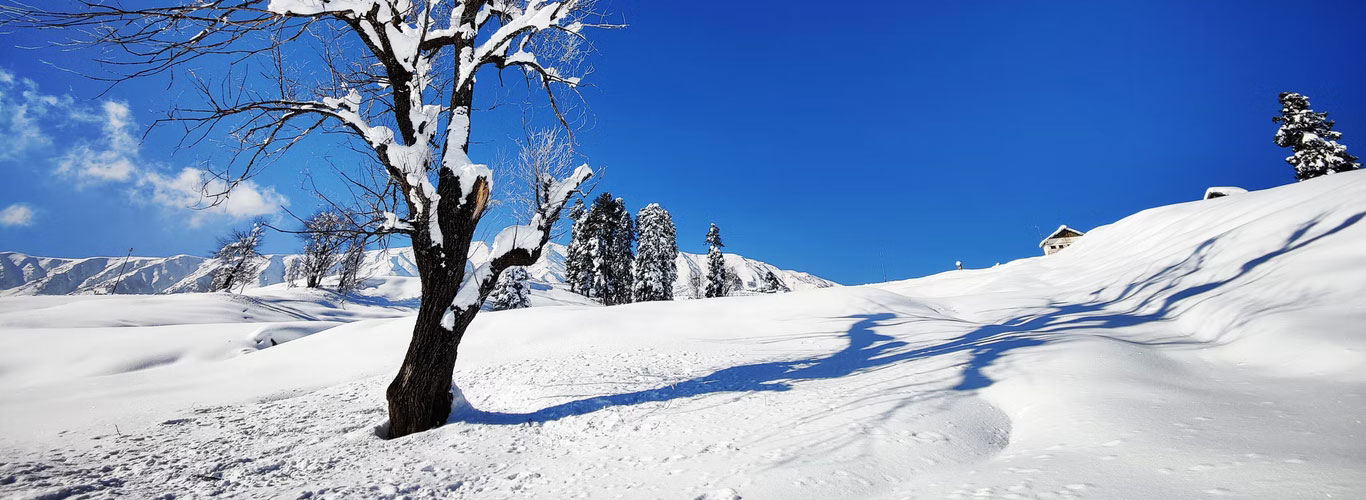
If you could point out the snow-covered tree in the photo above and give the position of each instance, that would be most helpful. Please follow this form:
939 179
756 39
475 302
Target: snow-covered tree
695 285
293 273
718 275
349 268
622 256
512 291
656 265
238 259
395 78
324 235
578 261
609 232
1311 138
773 284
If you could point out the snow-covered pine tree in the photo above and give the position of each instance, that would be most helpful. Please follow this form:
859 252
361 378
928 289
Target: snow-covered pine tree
773 284
578 261
238 258
656 254
599 246
512 291
718 281
323 240
622 255
1312 139
609 233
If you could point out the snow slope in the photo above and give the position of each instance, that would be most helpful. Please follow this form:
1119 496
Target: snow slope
1212 349
27 275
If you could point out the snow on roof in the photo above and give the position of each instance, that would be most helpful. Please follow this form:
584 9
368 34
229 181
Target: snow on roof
1062 232
1218 191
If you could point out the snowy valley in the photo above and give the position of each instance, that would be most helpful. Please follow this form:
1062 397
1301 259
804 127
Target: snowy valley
1210 349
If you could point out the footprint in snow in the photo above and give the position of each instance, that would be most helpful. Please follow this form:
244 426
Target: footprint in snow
721 494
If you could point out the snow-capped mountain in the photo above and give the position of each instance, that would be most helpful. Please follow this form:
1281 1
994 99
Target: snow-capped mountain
22 274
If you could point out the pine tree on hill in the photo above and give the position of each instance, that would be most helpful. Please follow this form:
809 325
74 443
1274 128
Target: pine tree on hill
718 276
773 284
512 291
1311 137
656 264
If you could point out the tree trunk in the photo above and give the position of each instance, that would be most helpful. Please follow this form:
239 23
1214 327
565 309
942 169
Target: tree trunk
420 396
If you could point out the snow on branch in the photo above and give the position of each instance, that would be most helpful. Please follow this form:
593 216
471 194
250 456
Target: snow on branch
517 245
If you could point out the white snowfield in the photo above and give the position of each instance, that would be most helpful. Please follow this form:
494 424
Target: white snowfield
1209 349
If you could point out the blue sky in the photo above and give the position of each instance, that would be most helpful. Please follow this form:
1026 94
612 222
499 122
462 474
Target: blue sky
881 142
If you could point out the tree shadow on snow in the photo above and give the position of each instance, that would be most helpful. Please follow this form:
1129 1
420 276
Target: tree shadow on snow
986 344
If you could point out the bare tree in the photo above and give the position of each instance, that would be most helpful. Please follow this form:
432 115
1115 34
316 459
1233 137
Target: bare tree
348 271
238 258
544 155
293 272
324 235
398 78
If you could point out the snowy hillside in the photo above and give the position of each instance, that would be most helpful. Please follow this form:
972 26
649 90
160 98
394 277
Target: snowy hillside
26 275
1211 349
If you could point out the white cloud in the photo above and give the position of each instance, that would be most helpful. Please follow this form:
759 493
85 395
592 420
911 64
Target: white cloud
114 160
21 106
113 155
194 189
18 214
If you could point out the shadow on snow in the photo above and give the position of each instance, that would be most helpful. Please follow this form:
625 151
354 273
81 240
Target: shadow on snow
868 349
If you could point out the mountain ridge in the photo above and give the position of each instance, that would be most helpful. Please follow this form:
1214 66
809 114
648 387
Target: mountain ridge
23 274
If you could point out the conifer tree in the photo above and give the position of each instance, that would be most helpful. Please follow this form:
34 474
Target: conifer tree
512 291
773 284
578 263
1312 139
718 276
621 257
656 264
609 232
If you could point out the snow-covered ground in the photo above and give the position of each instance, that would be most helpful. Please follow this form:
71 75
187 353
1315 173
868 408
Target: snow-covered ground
1208 349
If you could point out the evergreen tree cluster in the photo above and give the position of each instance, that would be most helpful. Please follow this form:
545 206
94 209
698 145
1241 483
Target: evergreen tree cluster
617 258
600 256
1311 138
